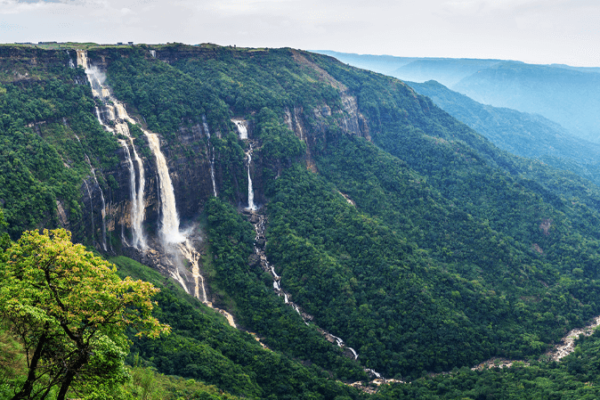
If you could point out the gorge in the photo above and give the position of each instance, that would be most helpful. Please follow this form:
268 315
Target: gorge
357 230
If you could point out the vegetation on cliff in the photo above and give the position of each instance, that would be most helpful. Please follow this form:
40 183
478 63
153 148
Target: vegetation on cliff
400 229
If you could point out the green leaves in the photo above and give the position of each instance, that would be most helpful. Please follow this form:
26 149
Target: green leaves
71 310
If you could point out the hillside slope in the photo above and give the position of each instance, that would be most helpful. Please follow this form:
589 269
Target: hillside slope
324 204
563 94
522 134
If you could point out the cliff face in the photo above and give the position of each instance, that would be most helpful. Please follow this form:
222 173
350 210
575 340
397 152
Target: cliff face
188 152
198 165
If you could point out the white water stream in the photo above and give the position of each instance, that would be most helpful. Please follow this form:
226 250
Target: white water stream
241 127
170 233
212 156
96 80
251 205
172 239
259 222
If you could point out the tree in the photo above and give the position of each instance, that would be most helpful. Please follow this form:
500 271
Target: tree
70 310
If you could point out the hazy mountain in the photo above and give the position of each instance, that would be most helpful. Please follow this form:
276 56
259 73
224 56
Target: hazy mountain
569 96
382 64
447 71
523 134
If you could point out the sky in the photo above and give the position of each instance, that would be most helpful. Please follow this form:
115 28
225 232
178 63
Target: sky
533 31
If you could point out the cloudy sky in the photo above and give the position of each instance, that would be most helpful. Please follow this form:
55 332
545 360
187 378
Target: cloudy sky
535 31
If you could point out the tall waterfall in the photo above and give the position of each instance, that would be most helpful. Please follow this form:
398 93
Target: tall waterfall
170 220
170 233
71 64
212 156
96 80
251 205
175 242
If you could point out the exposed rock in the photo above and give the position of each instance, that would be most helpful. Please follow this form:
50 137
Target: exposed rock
63 220
545 226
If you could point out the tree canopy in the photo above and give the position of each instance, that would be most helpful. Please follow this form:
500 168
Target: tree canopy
70 310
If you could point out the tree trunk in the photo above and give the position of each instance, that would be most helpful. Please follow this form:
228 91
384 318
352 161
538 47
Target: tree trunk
65 385
25 391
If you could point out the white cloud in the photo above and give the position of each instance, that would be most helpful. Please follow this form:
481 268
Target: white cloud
530 30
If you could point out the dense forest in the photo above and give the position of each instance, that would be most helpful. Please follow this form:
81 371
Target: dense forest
392 225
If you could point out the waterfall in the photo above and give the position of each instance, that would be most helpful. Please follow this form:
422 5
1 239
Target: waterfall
251 205
96 80
139 241
169 231
274 273
82 60
212 155
71 64
177 276
170 220
212 171
193 257
98 115
241 127
260 227
372 372
174 242
153 53
353 352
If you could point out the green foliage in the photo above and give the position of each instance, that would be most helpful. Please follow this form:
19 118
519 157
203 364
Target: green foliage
41 159
166 97
204 347
575 377
258 307
279 143
70 310
251 80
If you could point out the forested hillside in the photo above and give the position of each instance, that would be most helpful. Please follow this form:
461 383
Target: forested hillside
563 94
346 221
522 134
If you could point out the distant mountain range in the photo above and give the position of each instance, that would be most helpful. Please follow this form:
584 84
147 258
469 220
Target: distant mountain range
523 134
566 95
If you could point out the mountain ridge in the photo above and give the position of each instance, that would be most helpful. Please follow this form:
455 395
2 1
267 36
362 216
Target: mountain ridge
449 239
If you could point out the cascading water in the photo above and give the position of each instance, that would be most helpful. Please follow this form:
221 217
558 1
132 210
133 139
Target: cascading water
98 116
96 80
170 233
139 241
259 222
241 127
212 156
71 64
251 205
169 230
172 239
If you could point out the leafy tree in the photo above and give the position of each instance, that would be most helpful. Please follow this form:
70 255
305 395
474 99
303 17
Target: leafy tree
70 310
